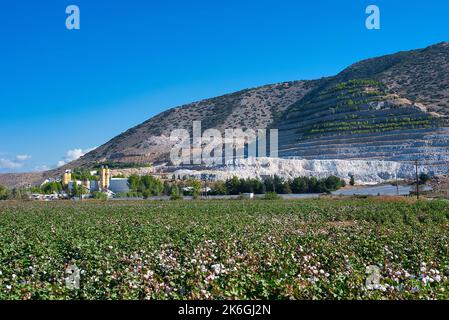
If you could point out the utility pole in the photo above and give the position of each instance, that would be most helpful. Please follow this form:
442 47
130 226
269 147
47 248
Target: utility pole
417 180
397 185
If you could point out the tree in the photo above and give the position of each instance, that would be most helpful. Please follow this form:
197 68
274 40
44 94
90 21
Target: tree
51 187
285 188
19 194
99 195
175 193
134 182
167 188
233 186
151 185
196 188
299 185
78 190
313 185
333 183
219 188
146 194
352 180
424 178
4 193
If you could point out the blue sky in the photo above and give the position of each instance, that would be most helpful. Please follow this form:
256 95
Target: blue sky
63 91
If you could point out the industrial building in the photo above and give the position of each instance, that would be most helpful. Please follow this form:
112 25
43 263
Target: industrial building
105 183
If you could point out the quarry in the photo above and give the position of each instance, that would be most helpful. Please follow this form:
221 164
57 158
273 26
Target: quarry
365 172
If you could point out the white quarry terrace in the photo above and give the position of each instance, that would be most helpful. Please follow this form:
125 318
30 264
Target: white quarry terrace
367 172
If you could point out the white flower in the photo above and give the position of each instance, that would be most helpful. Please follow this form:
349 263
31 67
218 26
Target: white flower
427 279
8 287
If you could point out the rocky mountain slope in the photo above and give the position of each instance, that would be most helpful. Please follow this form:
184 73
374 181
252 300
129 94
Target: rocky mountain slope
149 142
394 107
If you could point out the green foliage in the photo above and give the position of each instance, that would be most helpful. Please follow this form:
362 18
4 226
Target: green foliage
151 185
83 175
51 187
424 178
271 195
19 194
276 184
250 250
78 190
99 195
196 188
121 165
175 193
236 186
352 180
134 182
219 188
147 186
4 193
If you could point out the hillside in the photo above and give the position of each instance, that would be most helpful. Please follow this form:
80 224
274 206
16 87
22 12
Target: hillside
394 107
389 108
149 142
395 103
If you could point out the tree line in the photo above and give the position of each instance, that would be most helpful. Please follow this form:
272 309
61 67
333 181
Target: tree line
148 186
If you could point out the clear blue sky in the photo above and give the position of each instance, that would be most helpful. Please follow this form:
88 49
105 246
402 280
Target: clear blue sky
62 90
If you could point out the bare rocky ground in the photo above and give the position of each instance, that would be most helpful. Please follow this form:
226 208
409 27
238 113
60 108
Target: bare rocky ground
21 180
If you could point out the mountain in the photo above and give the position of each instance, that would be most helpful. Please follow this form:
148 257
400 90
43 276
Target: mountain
149 142
394 107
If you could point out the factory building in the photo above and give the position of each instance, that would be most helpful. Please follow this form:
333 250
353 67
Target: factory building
105 184
66 178
117 185
105 177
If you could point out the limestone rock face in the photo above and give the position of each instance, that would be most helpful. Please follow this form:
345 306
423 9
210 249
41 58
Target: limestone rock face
364 171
